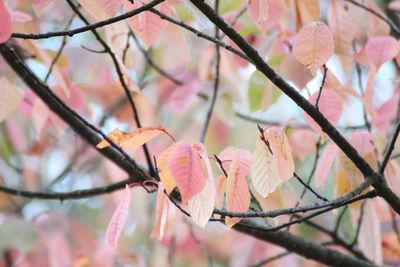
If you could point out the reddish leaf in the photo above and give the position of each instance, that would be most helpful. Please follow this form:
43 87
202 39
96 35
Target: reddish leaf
5 22
378 50
118 219
185 166
166 177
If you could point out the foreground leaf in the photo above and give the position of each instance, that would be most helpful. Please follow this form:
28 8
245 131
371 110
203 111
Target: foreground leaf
237 193
187 170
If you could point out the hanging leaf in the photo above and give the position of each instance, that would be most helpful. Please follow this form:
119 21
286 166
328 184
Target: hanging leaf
313 45
264 170
10 97
378 50
162 210
201 206
324 164
134 139
5 22
330 105
281 150
187 170
237 193
148 26
118 219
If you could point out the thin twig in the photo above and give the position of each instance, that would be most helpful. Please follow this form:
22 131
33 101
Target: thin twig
309 188
359 223
322 86
216 81
89 27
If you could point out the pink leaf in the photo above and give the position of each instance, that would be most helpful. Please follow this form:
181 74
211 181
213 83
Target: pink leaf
185 166
237 193
324 164
378 50
162 208
18 16
118 219
362 141
313 45
330 105
5 22
148 26
241 156
202 205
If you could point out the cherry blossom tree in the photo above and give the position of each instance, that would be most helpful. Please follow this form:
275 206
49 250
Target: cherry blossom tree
199 133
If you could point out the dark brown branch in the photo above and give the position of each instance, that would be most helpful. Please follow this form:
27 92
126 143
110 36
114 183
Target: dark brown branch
338 202
89 27
390 149
309 188
378 182
322 85
300 246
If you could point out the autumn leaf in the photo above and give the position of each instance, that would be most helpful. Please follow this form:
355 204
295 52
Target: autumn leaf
118 219
264 170
313 45
324 164
201 206
134 139
187 170
39 6
237 193
161 218
5 22
167 179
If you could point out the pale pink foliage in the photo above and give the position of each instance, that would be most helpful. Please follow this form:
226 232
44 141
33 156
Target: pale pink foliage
325 163
313 45
5 22
118 219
